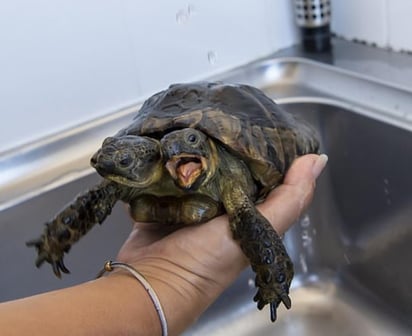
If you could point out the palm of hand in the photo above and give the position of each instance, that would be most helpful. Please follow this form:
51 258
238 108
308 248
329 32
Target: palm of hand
204 258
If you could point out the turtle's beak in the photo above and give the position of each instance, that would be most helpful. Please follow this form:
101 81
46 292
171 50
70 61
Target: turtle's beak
186 169
103 166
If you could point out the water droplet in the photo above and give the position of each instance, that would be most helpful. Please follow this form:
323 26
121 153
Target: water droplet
305 221
306 238
303 263
182 16
212 57
347 259
386 191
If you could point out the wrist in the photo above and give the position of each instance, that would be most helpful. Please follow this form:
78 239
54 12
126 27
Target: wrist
129 304
182 295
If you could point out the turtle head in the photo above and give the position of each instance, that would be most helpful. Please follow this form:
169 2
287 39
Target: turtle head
190 157
129 160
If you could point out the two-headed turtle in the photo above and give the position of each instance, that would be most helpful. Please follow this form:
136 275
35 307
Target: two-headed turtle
195 151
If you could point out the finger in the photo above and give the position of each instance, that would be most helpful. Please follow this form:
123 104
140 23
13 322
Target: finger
286 203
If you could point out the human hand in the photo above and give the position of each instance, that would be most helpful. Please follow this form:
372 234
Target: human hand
193 265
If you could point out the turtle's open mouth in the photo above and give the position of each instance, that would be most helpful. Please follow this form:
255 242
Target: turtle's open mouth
186 169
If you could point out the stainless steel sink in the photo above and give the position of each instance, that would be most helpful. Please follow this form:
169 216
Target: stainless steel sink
351 249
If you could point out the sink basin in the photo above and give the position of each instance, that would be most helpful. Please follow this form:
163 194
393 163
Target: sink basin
350 250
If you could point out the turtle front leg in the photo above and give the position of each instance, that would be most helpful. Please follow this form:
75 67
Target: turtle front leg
73 222
264 248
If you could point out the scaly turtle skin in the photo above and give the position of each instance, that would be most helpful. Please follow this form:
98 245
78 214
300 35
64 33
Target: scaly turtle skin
195 151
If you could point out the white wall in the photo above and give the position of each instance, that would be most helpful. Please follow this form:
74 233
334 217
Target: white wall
387 23
65 62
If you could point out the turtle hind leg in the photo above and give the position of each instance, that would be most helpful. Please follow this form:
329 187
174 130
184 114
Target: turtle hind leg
73 222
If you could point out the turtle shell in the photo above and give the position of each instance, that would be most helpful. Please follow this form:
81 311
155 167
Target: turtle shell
241 117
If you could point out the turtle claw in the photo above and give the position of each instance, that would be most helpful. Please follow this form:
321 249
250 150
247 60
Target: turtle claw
58 267
42 255
273 305
52 256
62 266
286 300
273 315
41 258
35 242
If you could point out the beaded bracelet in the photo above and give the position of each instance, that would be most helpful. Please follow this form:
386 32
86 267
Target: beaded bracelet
110 265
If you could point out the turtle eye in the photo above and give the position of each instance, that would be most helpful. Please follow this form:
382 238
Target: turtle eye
125 160
192 138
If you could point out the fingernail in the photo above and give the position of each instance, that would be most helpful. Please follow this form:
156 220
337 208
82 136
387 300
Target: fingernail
319 165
